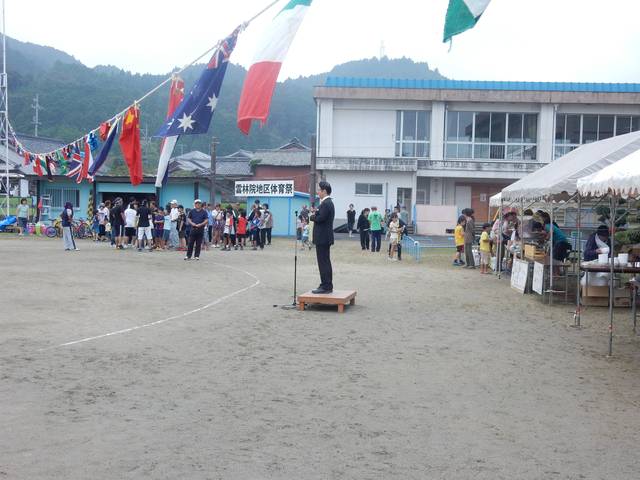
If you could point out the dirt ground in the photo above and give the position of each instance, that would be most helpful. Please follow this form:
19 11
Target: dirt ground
436 373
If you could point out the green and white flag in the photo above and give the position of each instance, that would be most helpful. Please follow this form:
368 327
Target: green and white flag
462 15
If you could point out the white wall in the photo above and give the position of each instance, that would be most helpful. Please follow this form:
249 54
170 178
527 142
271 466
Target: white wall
325 128
364 133
343 185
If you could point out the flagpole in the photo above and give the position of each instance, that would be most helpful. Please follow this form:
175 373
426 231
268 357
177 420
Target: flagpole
5 111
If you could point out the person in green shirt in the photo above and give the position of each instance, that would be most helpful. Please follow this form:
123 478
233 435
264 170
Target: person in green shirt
22 212
375 220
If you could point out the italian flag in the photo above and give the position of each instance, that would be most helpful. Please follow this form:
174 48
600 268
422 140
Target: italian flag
462 15
262 76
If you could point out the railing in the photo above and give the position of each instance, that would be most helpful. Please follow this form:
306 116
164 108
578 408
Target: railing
399 164
479 165
411 247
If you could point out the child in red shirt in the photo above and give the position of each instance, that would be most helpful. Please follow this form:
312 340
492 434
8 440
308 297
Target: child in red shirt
241 230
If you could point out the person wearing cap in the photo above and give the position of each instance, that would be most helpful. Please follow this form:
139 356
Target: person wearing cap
103 219
198 219
597 243
174 238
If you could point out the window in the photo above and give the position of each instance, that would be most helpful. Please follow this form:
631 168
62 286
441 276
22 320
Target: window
60 196
369 189
488 135
413 131
573 130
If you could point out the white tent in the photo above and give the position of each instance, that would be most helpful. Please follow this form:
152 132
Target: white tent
561 176
621 178
495 200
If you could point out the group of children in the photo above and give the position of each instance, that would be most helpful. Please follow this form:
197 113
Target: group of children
484 247
167 228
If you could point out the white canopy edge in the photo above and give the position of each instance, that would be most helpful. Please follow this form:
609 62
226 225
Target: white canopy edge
495 200
558 179
621 178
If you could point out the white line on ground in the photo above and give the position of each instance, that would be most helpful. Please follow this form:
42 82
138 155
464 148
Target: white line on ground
175 317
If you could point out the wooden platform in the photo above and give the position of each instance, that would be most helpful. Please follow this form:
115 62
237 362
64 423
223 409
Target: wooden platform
337 297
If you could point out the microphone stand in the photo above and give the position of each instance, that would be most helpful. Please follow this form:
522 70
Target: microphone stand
294 304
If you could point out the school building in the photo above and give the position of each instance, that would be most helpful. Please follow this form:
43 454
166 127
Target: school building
438 146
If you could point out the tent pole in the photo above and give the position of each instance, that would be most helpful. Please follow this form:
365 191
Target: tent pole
521 230
576 316
499 239
551 259
612 217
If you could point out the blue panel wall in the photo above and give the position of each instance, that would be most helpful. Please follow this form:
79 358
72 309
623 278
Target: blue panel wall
85 189
125 188
283 210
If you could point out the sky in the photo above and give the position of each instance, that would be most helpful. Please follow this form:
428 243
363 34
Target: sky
540 40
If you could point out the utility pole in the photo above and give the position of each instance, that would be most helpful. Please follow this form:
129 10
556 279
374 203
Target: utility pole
383 52
312 173
4 112
36 116
212 174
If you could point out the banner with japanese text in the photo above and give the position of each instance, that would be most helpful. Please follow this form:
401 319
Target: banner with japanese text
265 188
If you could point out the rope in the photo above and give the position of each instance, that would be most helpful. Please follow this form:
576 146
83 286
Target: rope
242 28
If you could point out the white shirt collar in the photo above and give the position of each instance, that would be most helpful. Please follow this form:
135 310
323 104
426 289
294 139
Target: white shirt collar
323 199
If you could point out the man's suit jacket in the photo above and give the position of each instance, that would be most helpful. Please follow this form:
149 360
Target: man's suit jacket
323 223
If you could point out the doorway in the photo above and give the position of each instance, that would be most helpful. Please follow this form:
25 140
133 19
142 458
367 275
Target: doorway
404 199
463 197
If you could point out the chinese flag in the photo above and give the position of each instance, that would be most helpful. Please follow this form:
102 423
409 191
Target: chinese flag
130 144
37 166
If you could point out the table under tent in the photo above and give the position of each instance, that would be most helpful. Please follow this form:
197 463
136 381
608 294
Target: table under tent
556 187
620 180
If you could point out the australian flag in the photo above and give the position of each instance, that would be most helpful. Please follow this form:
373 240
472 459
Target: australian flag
194 114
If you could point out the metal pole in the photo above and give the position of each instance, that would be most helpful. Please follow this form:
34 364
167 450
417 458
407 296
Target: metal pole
4 87
312 172
212 173
578 262
500 246
295 268
612 216
551 259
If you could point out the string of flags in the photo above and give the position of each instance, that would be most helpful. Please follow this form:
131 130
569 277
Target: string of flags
192 114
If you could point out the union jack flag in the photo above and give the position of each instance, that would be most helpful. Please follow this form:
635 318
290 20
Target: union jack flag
75 167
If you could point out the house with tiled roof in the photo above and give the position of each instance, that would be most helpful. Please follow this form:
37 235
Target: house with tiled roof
291 161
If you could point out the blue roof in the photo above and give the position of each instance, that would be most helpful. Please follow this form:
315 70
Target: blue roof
352 82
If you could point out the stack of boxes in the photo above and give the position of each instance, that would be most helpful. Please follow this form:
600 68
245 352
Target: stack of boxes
599 296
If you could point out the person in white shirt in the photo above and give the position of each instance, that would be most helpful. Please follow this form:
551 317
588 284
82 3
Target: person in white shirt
103 219
130 218
174 239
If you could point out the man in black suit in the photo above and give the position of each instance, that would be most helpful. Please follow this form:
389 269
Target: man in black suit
323 237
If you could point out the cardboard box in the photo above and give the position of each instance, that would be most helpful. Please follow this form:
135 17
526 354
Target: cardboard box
621 297
529 251
594 301
591 291
621 302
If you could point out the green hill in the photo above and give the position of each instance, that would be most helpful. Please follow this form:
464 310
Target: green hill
76 98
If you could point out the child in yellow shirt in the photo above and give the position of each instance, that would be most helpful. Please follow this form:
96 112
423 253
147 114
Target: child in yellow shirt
485 248
458 235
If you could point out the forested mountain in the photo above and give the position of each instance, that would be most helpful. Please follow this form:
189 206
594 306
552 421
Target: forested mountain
76 98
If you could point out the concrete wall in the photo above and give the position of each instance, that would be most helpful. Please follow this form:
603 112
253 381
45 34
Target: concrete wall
343 186
435 220
364 133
